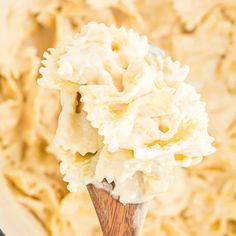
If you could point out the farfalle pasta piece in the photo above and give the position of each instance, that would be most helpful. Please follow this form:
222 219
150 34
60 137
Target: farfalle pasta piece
192 12
72 122
194 48
128 118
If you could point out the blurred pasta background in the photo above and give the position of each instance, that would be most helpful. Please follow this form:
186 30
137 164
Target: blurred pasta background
33 197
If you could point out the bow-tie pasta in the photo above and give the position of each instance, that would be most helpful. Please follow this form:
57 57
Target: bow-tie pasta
128 118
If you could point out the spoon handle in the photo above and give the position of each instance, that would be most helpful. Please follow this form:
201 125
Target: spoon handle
115 218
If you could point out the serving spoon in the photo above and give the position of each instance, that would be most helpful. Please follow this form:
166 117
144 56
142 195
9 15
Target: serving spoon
115 218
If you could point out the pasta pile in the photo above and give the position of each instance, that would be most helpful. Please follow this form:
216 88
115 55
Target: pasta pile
201 34
128 117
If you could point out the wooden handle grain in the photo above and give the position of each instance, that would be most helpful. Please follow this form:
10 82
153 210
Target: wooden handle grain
115 218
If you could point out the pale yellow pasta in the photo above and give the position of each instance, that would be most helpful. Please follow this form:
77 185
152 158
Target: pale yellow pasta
33 193
127 115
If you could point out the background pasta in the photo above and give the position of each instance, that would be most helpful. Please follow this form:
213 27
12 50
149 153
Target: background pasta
198 33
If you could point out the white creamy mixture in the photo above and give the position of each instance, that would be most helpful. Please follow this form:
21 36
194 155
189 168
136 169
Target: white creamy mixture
128 117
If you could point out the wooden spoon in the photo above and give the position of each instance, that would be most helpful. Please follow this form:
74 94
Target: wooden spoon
115 218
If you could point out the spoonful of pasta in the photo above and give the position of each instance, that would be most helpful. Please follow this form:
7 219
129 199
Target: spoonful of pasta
128 120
